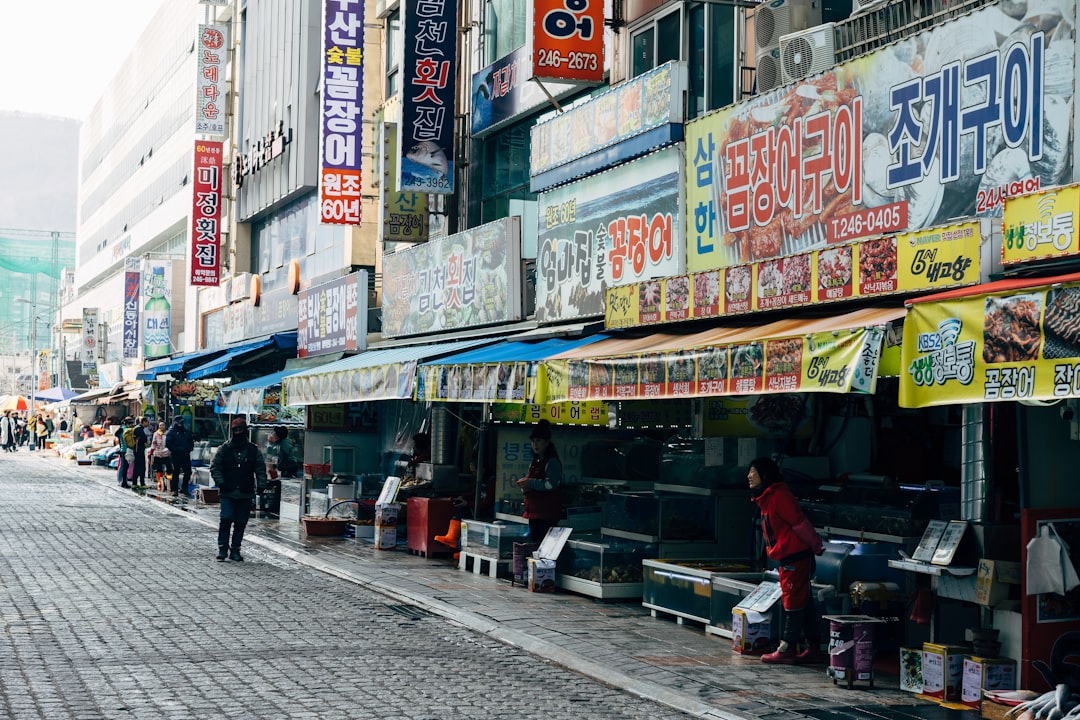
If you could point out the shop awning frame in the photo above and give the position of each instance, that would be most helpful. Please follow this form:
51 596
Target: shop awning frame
190 363
221 364
248 397
386 374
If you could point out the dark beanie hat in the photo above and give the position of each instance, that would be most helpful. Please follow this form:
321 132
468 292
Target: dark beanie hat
541 430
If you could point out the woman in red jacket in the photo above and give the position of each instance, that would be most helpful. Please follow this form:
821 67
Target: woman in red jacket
792 542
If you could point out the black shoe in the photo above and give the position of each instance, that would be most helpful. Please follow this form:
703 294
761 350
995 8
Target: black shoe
222 553
125 485
234 555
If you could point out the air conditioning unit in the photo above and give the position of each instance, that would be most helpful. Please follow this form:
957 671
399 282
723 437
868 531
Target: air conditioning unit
807 52
780 17
861 6
768 73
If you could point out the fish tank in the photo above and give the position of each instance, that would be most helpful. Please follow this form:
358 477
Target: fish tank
603 567
494 540
654 517
684 463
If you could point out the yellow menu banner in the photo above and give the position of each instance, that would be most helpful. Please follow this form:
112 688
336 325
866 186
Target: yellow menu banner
1041 225
562 413
1014 345
932 259
819 362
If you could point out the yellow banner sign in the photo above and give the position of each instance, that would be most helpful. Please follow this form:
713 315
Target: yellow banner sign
1015 345
1041 225
821 362
563 413
932 259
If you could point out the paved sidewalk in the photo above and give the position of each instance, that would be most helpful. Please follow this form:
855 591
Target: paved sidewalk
619 644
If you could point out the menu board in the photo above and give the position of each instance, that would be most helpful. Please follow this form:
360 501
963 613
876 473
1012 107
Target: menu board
950 540
930 540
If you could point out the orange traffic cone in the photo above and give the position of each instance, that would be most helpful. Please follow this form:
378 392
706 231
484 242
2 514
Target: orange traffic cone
452 536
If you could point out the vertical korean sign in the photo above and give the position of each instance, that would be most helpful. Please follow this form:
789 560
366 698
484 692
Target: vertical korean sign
568 40
427 114
88 353
206 215
340 141
210 83
157 312
132 278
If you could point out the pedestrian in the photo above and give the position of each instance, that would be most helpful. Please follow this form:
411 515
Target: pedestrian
542 484
86 433
160 460
31 429
142 439
180 443
280 462
792 542
7 431
50 426
125 439
239 471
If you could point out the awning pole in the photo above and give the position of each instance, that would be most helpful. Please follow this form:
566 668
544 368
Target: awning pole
479 480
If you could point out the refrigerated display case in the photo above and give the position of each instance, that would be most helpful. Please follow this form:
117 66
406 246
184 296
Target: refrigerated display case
682 588
604 568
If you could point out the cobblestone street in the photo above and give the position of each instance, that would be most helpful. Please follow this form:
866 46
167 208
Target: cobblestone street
114 608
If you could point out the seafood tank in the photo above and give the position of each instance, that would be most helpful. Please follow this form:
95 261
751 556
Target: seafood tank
602 567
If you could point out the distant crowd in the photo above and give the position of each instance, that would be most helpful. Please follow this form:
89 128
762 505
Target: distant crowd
16 429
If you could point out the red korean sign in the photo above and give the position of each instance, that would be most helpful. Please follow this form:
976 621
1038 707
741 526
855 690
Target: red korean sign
206 215
568 40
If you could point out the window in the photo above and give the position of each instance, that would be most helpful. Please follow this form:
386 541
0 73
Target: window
503 174
709 46
393 46
504 28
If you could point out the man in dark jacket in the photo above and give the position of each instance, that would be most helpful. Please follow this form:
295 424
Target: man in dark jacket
239 471
180 442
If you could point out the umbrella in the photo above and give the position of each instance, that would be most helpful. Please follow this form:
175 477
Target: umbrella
15 402
55 394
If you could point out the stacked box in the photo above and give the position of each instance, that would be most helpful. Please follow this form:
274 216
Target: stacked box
541 575
942 670
386 518
749 637
981 674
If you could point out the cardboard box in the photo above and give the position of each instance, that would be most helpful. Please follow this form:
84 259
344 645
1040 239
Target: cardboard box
992 580
385 537
911 669
994 711
386 514
750 631
942 670
985 674
541 575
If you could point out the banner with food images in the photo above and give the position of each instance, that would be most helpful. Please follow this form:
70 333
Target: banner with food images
819 362
388 381
503 382
946 123
1022 344
931 259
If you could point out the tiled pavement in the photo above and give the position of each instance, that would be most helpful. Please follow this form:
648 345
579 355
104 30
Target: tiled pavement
619 644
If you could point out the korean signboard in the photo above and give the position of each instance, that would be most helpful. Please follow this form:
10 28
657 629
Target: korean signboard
341 143
1041 225
468 279
1021 344
405 214
593 413
89 340
157 310
568 40
647 102
428 86
479 382
931 259
210 84
816 362
946 124
206 215
333 316
44 381
614 228
132 280
502 91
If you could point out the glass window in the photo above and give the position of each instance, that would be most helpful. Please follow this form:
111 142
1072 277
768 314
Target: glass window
504 28
503 173
393 45
644 58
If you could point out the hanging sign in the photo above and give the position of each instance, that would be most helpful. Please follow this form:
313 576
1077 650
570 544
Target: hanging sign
568 40
210 83
340 141
1041 226
89 349
206 215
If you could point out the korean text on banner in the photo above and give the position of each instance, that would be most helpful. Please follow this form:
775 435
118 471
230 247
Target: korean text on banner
428 86
89 340
206 215
329 316
1041 225
405 214
132 280
341 139
568 40
898 139
1015 345
210 83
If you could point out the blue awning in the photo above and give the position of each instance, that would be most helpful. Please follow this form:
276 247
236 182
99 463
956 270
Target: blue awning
220 364
503 372
373 375
176 364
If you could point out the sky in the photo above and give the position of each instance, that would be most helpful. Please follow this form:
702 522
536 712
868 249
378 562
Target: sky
58 56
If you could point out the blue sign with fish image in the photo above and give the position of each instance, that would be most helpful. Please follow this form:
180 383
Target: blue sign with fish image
425 167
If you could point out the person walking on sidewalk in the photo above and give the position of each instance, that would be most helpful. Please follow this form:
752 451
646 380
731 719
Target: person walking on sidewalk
142 438
542 484
180 443
160 458
125 439
7 431
791 541
239 471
